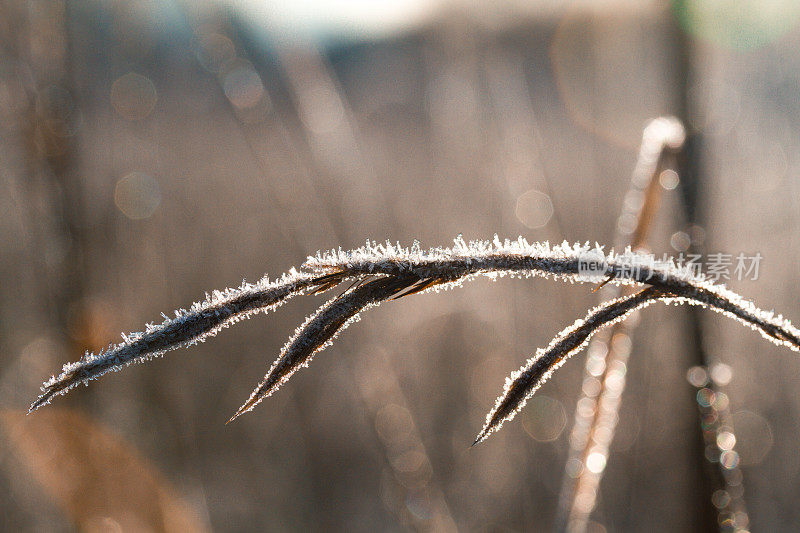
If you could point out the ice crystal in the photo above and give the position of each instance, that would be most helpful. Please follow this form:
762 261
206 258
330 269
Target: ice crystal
386 271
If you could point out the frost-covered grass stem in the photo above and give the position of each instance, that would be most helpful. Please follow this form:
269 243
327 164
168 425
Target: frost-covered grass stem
383 272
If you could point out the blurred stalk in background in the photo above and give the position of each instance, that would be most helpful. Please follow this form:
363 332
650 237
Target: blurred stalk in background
152 150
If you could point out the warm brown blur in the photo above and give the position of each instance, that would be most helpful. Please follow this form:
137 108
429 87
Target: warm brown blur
97 480
151 151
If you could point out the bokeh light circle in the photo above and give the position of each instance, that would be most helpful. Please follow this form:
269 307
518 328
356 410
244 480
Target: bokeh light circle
133 96
545 418
243 87
534 209
137 195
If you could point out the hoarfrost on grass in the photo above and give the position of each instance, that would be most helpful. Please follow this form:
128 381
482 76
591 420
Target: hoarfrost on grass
380 272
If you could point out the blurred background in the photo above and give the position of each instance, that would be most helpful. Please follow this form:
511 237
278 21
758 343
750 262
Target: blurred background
154 150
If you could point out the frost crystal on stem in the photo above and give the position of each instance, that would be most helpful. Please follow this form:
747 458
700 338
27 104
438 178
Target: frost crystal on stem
384 271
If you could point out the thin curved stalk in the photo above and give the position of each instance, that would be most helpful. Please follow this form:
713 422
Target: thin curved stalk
401 272
523 383
593 429
450 267
202 320
320 329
